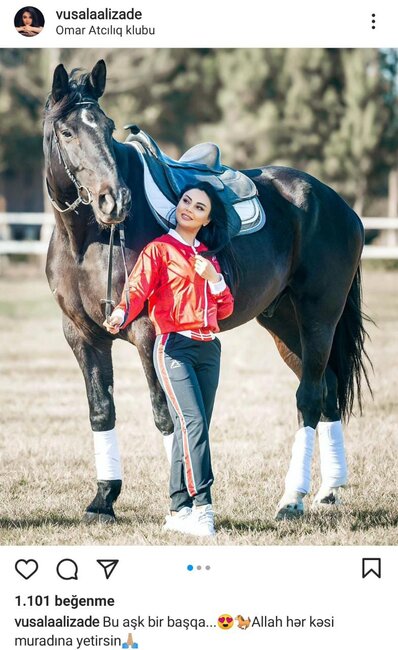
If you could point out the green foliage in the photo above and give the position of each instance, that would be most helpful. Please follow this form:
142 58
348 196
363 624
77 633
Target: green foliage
350 154
330 112
22 83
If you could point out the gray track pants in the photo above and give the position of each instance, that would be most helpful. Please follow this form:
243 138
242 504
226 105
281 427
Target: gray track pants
188 371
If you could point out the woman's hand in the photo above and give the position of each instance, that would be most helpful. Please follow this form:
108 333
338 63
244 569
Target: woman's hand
206 269
115 320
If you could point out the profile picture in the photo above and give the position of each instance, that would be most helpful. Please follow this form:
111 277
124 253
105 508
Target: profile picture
29 21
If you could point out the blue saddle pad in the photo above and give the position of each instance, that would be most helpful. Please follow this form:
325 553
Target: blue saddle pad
165 179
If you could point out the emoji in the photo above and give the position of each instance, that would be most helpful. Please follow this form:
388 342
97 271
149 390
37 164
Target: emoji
225 621
243 624
130 643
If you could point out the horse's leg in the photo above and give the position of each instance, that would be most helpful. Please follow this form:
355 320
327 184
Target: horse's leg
347 361
142 335
95 360
283 327
317 317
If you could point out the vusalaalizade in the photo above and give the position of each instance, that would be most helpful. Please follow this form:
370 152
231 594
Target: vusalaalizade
101 14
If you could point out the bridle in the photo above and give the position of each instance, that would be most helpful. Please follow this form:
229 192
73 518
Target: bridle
85 197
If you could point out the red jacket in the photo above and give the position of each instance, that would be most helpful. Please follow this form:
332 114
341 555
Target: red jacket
179 298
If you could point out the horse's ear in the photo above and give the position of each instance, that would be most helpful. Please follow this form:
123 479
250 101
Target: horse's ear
60 83
97 79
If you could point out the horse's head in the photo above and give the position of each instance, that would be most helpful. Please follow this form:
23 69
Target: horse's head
79 147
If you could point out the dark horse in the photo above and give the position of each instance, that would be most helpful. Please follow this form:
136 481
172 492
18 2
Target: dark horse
299 275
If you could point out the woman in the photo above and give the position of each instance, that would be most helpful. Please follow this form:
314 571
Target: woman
28 23
187 296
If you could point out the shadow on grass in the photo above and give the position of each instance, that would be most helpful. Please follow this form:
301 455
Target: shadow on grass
252 526
309 524
38 522
322 522
9 523
368 519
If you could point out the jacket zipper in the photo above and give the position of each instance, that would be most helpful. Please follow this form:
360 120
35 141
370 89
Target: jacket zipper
206 319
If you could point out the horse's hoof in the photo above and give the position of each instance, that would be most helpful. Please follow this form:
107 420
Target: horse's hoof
100 510
326 497
98 518
291 506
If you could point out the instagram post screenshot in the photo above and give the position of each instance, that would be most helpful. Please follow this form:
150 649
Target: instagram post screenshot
199 315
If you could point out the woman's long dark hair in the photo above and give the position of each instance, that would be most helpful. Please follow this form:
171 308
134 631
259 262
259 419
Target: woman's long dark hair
216 235
35 17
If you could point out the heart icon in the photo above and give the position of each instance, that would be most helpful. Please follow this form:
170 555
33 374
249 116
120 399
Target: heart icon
26 568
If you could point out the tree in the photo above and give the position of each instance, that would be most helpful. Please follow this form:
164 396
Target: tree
331 112
353 149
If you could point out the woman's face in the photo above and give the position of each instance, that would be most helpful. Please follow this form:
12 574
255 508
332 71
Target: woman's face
27 18
193 209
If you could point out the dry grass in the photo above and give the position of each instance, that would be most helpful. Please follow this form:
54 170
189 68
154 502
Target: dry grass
48 478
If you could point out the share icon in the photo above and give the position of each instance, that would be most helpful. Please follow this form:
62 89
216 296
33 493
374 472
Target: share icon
109 566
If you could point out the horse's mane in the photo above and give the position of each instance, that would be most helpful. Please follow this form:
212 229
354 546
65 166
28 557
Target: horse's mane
78 92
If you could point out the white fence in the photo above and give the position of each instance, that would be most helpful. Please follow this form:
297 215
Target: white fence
373 251
9 246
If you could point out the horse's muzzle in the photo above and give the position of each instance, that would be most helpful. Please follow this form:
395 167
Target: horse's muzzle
114 208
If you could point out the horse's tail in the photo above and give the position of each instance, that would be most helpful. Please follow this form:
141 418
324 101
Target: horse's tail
348 351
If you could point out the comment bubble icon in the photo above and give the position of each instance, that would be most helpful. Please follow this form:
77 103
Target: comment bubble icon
67 569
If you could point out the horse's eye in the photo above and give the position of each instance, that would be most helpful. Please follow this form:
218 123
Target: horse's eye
66 133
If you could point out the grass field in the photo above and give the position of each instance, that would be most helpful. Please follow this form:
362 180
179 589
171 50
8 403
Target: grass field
47 465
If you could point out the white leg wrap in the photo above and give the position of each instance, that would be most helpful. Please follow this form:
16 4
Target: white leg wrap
107 457
298 478
168 445
331 448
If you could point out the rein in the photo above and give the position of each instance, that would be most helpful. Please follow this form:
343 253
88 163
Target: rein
108 302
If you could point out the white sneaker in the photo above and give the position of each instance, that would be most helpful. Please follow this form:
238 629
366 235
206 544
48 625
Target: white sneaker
178 522
204 521
198 522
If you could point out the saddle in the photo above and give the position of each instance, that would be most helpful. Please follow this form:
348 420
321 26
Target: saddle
165 179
